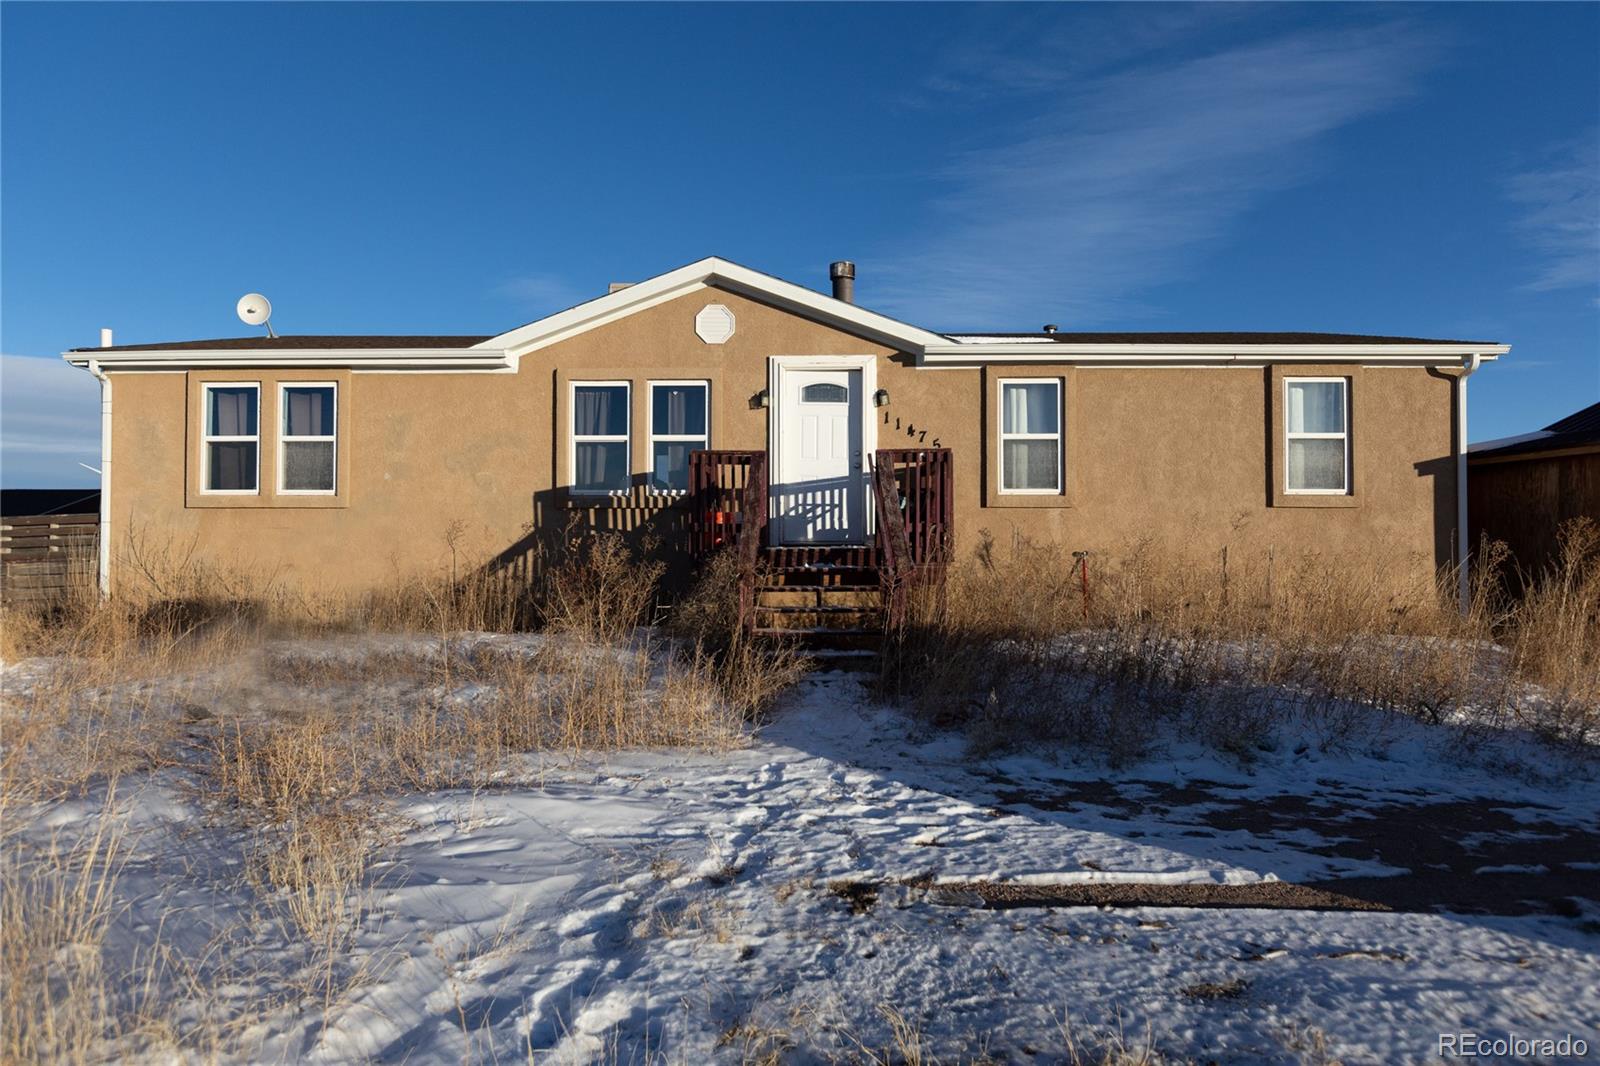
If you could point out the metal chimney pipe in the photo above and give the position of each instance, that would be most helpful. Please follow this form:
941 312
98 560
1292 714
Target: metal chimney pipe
105 338
843 274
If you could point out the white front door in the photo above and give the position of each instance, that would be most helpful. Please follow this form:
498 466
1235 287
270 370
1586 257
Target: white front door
818 490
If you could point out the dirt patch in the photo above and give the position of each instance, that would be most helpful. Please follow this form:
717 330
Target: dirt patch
860 896
1210 991
1463 856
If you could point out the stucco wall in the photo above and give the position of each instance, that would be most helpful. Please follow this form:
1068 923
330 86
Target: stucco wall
1183 456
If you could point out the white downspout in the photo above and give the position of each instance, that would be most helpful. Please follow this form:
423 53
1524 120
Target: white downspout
1469 366
105 469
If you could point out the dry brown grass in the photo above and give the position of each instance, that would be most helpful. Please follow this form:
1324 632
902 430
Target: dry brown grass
57 903
1229 646
1555 628
751 674
296 747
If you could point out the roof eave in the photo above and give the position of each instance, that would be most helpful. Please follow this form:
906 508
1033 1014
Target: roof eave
702 274
330 358
956 354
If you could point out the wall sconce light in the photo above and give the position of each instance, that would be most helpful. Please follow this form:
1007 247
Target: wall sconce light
760 400
880 398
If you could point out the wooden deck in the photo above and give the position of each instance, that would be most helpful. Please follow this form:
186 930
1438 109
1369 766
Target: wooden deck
912 507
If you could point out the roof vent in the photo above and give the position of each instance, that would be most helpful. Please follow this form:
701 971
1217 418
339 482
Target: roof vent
1050 327
843 274
617 286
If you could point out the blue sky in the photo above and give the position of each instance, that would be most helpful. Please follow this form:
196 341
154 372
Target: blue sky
1423 170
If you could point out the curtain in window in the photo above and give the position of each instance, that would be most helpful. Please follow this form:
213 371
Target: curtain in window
1316 407
233 412
601 466
1016 414
679 410
232 466
1031 408
677 404
600 411
309 412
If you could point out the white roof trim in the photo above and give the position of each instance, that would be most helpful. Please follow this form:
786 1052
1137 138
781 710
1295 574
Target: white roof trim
977 338
476 358
502 352
958 353
700 275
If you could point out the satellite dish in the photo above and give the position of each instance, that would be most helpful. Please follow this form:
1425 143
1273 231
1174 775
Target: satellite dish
255 310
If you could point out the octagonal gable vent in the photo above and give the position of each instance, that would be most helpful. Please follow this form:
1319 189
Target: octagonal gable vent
714 323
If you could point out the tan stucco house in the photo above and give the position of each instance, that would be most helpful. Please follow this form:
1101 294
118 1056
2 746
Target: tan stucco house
342 460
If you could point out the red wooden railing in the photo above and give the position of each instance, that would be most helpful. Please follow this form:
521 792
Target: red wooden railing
912 491
728 491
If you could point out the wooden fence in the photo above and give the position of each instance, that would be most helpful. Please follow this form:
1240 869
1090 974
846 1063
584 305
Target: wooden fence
48 557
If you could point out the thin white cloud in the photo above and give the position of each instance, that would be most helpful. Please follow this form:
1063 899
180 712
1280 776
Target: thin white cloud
1560 218
1022 54
542 293
1123 176
49 423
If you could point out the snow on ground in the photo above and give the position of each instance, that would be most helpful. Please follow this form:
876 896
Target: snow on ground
705 907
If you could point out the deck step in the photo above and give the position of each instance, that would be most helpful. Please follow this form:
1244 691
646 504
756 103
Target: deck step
785 566
811 608
823 638
812 576
845 660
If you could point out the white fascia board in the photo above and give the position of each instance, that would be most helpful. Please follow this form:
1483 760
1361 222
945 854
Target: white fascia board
332 358
946 353
703 274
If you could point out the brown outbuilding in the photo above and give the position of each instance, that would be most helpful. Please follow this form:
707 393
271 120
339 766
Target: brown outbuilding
1521 490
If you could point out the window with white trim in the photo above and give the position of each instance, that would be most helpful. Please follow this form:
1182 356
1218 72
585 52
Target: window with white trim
599 448
1316 429
230 448
679 424
1030 436
308 447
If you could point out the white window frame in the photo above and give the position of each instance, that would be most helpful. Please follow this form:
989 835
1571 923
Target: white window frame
1344 435
207 439
1059 436
283 435
651 436
573 438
